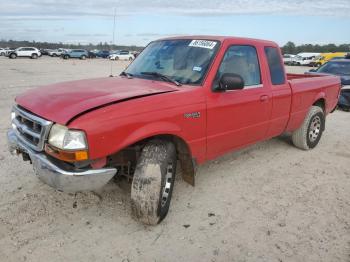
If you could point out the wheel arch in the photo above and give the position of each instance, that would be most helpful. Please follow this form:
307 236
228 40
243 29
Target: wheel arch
183 151
321 102
296 121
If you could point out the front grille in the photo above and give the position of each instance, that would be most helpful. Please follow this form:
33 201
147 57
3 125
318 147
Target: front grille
31 129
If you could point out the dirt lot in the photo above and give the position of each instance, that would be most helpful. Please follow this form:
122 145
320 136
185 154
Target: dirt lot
269 202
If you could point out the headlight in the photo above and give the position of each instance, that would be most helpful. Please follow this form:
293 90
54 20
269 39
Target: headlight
63 138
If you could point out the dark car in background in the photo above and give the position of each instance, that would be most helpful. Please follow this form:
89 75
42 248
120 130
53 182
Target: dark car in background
338 67
44 51
103 54
91 54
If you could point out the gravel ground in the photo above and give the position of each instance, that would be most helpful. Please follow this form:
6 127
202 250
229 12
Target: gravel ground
268 202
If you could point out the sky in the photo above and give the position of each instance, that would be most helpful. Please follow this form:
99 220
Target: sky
140 21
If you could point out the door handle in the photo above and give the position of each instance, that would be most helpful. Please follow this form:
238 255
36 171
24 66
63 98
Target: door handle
264 98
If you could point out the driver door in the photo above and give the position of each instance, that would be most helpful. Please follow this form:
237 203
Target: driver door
237 118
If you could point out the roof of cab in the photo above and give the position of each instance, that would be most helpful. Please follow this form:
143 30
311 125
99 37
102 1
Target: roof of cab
222 39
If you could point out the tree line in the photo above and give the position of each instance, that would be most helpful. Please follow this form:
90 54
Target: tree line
291 48
46 45
288 48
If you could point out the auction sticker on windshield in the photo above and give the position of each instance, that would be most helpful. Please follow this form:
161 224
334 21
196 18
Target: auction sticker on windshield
203 44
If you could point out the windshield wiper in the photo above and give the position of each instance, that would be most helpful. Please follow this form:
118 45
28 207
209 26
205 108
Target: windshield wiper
129 76
164 77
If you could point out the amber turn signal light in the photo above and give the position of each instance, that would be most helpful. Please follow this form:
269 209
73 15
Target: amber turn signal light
64 155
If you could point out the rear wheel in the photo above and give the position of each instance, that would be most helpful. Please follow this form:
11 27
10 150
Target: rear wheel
116 58
309 134
153 182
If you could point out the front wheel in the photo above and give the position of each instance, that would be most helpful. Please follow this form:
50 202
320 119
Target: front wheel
153 182
12 56
34 56
309 133
83 57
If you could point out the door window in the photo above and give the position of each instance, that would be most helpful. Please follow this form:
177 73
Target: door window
275 65
241 60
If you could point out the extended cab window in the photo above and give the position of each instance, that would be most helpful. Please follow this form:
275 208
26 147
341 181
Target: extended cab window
241 60
275 65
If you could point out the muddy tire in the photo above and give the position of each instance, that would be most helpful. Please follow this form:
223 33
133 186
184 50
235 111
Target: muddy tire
309 133
153 182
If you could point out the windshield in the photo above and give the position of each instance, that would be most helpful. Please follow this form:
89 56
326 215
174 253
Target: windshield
335 68
183 60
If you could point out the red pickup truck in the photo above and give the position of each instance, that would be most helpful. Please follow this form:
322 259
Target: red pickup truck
189 98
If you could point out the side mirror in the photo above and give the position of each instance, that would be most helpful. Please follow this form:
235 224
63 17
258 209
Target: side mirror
229 81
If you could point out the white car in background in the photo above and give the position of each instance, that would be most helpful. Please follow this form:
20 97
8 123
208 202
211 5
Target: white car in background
56 52
2 51
288 58
8 51
304 59
122 55
31 52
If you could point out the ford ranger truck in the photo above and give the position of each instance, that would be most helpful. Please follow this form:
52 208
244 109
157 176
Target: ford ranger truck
184 99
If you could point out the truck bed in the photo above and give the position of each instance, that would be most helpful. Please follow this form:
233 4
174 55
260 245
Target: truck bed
308 88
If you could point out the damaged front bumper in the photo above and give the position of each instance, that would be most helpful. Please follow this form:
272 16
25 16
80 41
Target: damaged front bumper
57 177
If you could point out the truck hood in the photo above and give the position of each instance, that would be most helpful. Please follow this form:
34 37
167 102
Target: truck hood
63 101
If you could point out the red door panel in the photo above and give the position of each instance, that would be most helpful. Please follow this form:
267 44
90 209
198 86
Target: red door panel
236 118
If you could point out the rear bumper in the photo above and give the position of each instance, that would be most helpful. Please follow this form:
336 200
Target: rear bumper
55 176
